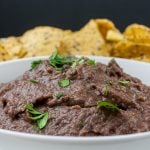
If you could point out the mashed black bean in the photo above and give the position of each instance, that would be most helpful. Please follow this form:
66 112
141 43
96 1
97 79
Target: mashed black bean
75 112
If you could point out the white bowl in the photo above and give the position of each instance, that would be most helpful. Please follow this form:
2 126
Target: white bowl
10 140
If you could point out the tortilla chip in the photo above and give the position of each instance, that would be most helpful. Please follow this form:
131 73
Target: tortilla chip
128 49
12 47
135 45
87 41
104 26
143 58
3 54
97 37
42 40
137 33
110 34
114 36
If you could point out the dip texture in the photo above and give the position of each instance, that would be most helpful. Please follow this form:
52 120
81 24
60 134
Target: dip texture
71 96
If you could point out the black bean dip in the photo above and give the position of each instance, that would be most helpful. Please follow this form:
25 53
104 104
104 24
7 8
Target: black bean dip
70 93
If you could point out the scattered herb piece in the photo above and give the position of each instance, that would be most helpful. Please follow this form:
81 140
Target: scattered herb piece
40 118
58 61
108 105
31 110
35 63
105 90
43 121
91 62
59 95
109 82
64 83
74 65
81 60
124 82
77 61
33 81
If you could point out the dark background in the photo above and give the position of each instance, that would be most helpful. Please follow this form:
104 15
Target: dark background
16 16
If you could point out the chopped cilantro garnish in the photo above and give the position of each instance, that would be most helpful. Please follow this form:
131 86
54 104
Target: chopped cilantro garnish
59 95
58 61
81 60
41 123
109 82
74 65
35 63
64 83
108 105
40 118
77 61
33 81
124 82
105 90
91 62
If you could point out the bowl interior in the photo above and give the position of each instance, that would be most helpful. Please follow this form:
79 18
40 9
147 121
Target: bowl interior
12 69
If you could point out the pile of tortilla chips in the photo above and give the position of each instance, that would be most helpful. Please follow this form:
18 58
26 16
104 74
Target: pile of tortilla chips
97 37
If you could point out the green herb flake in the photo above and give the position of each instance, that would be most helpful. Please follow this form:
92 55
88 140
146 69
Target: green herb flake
33 81
41 123
81 60
77 61
35 63
91 62
74 65
37 117
108 105
40 118
109 82
31 110
64 83
105 90
58 61
59 95
124 82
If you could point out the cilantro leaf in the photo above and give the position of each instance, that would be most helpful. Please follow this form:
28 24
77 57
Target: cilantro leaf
124 82
59 95
31 110
74 65
109 82
64 83
33 81
39 118
77 61
41 123
107 105
35 63
91 62
58 61
105 90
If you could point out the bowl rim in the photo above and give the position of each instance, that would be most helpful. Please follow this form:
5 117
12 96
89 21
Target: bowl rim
90 56
72 139
76 139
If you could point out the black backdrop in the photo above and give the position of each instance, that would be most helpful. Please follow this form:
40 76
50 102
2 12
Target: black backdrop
16 16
